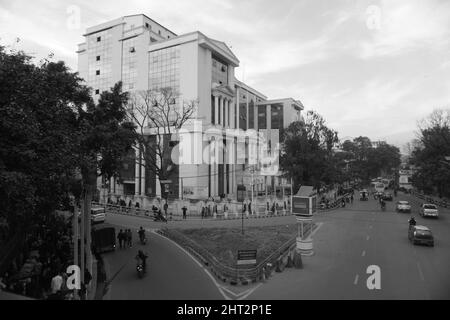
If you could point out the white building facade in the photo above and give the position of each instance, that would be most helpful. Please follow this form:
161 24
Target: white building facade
232 121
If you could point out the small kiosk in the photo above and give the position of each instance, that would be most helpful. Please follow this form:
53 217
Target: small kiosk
304 205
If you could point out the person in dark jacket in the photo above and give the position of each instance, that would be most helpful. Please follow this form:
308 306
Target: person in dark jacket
121 238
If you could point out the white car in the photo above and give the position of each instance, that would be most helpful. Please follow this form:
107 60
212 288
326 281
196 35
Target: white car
403 206
429 210
98 215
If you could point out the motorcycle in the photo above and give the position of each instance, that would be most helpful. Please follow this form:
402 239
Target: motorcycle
383 206
159 217
140 270
143 240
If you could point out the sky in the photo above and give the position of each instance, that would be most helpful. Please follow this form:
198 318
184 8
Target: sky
370 67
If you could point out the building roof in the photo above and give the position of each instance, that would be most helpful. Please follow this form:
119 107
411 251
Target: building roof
249 89
297 103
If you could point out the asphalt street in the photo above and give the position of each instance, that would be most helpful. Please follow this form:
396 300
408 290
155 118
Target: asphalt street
353 238
348 241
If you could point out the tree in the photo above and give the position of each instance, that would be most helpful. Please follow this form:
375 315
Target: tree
433 171
50 129
38 131
159 114
307 152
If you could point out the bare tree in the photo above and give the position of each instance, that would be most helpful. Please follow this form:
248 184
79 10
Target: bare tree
158 115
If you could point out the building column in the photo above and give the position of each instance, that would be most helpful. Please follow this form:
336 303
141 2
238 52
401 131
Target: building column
221 111
137 180
216 109
143 190
227 113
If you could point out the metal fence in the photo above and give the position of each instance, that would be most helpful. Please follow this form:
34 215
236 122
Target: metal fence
439 202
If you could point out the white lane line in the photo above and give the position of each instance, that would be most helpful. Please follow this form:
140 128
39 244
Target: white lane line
250 292
363 253
367 238
219 287
420 272
318 227
356 280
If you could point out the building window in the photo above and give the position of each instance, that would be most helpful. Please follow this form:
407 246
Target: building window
97 72
147 25
262 117
219 74
159 32
168 37
97 91
277 116
152 39
251 115
97 58
132 49
213 110
99 39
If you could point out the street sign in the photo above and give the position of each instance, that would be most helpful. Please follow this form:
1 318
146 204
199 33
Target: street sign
246 257
165 181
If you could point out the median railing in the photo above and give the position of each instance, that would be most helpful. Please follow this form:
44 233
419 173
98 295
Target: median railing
234 275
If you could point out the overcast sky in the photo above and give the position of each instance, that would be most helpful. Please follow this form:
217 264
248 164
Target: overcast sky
371 68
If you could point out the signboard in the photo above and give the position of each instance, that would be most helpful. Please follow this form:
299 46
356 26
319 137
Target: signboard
246 257
300 206
165 181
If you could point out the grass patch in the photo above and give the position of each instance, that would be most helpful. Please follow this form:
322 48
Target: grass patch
224 243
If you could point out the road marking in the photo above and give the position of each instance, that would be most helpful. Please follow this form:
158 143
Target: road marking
420 272
317 228
363 253
250 291
367 238
356 280
219 287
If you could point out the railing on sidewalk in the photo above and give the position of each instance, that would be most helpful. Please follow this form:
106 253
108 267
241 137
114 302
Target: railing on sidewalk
429 199
220 215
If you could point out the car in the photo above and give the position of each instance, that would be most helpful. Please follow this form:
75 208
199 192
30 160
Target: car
429 210
378 195
387 196
98 215
403 206
421 235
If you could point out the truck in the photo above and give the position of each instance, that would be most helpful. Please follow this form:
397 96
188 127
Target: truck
103 238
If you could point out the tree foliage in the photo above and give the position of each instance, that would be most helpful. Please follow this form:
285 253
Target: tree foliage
50 130
429 155
307 152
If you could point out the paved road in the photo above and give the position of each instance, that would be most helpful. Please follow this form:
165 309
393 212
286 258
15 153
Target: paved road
348 241
171 275
358 236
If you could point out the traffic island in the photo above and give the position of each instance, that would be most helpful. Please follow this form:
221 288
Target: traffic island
217 249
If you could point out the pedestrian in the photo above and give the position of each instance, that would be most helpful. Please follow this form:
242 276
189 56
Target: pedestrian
351 199
184 212
129 238
165 207
120 237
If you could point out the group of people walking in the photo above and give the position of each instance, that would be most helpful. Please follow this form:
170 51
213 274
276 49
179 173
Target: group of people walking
125 238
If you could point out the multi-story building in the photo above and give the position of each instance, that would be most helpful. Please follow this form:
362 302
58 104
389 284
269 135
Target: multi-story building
147 56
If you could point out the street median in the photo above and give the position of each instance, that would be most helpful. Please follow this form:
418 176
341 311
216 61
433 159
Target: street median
216 249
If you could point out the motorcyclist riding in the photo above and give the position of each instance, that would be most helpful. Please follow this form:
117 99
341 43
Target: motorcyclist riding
412 221
141 233
383 204
141 257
